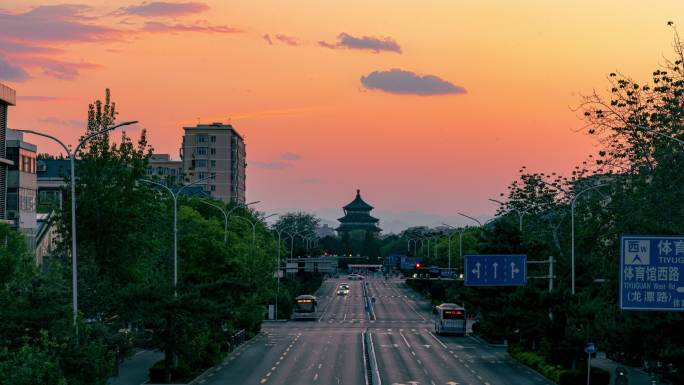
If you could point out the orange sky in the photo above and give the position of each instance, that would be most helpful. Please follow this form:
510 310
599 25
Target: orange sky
415 157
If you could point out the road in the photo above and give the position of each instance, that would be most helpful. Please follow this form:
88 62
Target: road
330 350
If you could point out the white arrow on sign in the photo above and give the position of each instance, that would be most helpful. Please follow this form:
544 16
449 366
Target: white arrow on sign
680 289
495 265
514 270
476 270
426 346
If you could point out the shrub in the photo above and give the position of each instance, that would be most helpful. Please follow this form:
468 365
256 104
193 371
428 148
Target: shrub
537 362
579 377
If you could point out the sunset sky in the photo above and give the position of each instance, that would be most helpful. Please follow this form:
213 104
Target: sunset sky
429 107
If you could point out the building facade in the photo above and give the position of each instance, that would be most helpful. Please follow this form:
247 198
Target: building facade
8 97
357 217
161 166
216 150
21 183
50 174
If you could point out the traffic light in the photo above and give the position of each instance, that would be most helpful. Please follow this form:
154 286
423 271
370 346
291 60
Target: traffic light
417 265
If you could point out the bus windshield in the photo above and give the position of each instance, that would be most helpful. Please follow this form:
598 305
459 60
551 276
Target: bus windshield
304 305
453 314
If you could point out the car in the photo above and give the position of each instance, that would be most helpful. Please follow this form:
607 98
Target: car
342 291
344 285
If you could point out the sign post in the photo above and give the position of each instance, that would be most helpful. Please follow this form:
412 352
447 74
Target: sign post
495 270
589 349
650 267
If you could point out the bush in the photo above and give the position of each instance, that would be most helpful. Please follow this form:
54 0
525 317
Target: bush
180 372
537 362
579 377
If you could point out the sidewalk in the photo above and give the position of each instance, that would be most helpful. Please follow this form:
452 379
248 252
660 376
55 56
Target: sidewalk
635 376
134 370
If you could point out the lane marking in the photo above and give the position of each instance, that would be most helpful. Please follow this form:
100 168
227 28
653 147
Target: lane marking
404 338
263 380
437 339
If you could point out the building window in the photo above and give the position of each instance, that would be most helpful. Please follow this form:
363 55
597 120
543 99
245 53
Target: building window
201 175
160 171
172 171
201 138
200 162
213 163
213 138
213 151
201 151
213 188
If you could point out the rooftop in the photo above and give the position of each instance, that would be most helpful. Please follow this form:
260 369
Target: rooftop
358 204
8 95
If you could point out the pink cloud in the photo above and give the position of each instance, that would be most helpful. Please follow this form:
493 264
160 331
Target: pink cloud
199 26
162 8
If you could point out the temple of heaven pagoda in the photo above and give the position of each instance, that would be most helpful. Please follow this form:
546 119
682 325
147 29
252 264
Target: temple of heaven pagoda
357 217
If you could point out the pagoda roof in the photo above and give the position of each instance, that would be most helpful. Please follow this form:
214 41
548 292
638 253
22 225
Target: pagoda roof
358 204
351 227
358 218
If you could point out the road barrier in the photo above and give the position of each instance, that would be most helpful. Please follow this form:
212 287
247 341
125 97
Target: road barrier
369 302
372 372
236 340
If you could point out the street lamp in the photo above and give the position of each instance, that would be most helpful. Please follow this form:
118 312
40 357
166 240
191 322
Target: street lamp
227 214
72 155
175 227
460 242
469 217
520 213
573 203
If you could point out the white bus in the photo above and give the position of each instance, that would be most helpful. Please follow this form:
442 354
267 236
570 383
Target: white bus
450 319
305 307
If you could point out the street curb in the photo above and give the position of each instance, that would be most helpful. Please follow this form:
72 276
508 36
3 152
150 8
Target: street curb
199 379
483 342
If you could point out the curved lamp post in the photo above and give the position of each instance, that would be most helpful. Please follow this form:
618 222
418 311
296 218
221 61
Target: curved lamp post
573 203
175 220
72 181
520 213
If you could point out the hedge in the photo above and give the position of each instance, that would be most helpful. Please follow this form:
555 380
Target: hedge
537 362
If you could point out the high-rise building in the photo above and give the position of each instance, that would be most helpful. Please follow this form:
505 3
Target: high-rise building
216 150
8 98
162 167
21 183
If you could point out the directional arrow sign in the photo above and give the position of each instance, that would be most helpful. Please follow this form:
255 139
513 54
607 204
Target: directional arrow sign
495 270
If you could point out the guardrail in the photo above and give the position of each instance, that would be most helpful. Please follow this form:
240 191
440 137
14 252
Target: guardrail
236 340
369 302
373 374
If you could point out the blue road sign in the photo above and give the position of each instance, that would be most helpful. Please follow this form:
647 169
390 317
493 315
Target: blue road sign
650 268
495 270
590 348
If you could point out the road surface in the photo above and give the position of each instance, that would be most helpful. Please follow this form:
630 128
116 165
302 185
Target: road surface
330 350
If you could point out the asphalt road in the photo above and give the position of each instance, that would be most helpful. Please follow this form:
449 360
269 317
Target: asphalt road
330 350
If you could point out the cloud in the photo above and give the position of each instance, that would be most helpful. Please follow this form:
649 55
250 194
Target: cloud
270 165
56 68
13 47
41 98
63 23
267 37
290 156
199 26
289 40
162 8
397 81
11 72
368 43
